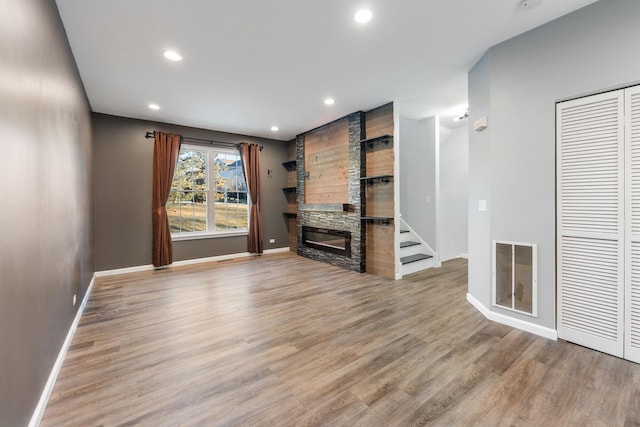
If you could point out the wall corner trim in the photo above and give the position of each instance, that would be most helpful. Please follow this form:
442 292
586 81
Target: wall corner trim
542 331
38 413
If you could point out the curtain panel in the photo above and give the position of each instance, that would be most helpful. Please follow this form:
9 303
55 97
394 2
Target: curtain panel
165 156
250 154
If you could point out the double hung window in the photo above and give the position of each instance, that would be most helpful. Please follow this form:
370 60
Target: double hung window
209 194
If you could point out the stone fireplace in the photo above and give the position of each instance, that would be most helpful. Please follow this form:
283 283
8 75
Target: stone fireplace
342 219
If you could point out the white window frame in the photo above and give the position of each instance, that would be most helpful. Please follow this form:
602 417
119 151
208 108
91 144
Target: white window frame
211 152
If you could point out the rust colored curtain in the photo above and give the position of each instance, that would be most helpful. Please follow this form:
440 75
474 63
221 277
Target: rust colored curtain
165 157
250 154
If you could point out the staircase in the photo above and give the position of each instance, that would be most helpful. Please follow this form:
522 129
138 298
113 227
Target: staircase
415 254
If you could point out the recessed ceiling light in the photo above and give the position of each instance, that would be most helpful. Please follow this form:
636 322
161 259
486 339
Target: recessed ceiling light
329 101
154 106
363 15
172 55
275 128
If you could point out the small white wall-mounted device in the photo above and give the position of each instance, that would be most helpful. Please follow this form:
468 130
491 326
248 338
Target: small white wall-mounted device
480 124
530 4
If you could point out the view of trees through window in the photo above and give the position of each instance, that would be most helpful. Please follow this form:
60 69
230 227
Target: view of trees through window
203 175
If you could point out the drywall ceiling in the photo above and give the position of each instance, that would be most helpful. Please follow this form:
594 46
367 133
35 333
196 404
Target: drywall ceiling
250 64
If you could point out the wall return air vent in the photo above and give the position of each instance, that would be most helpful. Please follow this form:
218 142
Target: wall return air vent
515 277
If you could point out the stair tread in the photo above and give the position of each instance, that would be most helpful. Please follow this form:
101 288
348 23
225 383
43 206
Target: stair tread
414 258
408 243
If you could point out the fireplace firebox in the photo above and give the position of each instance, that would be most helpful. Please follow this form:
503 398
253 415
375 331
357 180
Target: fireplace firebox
334 241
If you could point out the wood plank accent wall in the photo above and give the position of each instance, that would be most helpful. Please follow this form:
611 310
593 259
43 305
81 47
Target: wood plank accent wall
379 122
380 254
292 178
292 206
379 197
292 228
326 160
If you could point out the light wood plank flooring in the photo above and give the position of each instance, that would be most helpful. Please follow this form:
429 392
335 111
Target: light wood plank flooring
281 340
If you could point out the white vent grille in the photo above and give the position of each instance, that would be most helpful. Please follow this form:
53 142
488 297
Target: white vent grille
515 277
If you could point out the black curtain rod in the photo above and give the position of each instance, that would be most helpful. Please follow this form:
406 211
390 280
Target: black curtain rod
149 135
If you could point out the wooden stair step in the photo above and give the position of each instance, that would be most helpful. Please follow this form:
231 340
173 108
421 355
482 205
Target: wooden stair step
408 244
413 258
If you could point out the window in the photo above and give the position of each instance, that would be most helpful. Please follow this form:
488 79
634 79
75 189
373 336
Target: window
208 194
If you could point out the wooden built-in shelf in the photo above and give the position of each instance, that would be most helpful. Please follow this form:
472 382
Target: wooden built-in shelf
384 139
290 165
381 178
291 215
381 219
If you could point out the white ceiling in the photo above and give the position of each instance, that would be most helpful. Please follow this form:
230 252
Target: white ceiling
251 64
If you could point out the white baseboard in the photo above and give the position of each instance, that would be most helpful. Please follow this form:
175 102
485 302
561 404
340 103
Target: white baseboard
209 259
51 381
465 256
542 331
225 257
117 271
277 250
150 267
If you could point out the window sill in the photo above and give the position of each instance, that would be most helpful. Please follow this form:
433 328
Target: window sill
209 235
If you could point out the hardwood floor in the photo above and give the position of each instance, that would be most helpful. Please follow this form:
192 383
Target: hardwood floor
281 340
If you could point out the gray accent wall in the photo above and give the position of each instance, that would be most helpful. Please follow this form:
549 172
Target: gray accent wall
418 176
123 168
512 163
46 250
454 192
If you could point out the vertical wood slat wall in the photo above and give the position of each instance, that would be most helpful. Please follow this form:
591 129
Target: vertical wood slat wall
326 160
379 160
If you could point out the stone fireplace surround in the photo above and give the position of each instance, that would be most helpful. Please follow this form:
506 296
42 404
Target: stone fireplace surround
335 217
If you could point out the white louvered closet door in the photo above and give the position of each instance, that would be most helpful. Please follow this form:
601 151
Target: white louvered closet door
590 178
632 240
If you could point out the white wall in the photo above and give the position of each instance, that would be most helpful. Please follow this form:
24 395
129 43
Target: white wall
512 163
479 184
418 176
454 192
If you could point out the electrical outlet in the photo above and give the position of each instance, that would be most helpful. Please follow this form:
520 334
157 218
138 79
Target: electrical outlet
272 240
74 299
